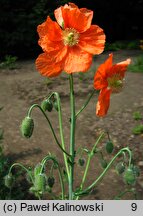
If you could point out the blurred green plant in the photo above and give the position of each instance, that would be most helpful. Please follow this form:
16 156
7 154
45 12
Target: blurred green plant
137 66
137 115
138 129
9 62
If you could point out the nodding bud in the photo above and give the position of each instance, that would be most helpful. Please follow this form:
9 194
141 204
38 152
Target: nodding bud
47 105
9 180
27 127
81 161
40 182
136 171
51 181
103 163
120 168
37 169
109 147
129 177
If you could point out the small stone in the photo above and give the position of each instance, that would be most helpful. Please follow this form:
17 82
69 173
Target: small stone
140 163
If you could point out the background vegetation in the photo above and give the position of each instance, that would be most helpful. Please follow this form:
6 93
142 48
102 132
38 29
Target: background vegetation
121 20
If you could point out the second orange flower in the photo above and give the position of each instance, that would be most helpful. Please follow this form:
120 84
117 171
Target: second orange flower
109 79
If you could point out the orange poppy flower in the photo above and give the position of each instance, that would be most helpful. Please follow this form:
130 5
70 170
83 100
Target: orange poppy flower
69 43
108 79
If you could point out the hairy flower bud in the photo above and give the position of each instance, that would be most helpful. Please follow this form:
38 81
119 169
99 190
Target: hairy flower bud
103 163
120 168
109 147
136 171
51 181
9 180
81 161
40 182
37 169
129 177
27 127
47 105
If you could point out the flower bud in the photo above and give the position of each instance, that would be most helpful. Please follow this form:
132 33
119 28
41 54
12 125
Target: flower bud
51 181
47 105
27 127
37 169
103 163
56 105
109 147
136 171
129 177
40 182
120 168
81 161
9 180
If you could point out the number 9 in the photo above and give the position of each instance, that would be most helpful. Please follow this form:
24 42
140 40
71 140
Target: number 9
134 206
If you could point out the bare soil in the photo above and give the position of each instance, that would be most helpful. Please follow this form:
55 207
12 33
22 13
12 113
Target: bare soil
21 87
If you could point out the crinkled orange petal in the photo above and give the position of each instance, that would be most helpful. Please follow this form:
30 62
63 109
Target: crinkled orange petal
103 102
66 15
120 68
74 18
50 36
77 60
72 5
47 67
59 16
58 12
100 78
49 46
60 54
92 40
51 29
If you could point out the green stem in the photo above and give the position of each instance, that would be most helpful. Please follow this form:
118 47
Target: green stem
86 103
105 170
90 155
23 167
51 127
47 158
61 131
72 137
123 193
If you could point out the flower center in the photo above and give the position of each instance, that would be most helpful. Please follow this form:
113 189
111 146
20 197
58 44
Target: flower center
115 83
70 37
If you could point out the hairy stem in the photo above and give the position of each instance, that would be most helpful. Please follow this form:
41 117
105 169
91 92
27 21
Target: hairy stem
86 103
89 160
105 170
72 137
47 158
51 127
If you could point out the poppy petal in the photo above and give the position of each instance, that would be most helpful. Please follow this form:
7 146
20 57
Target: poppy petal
49 46
120 68
92 40
59 16
76 19
100 78
51 29
58 13
47 67
77 60
103 102
60 54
